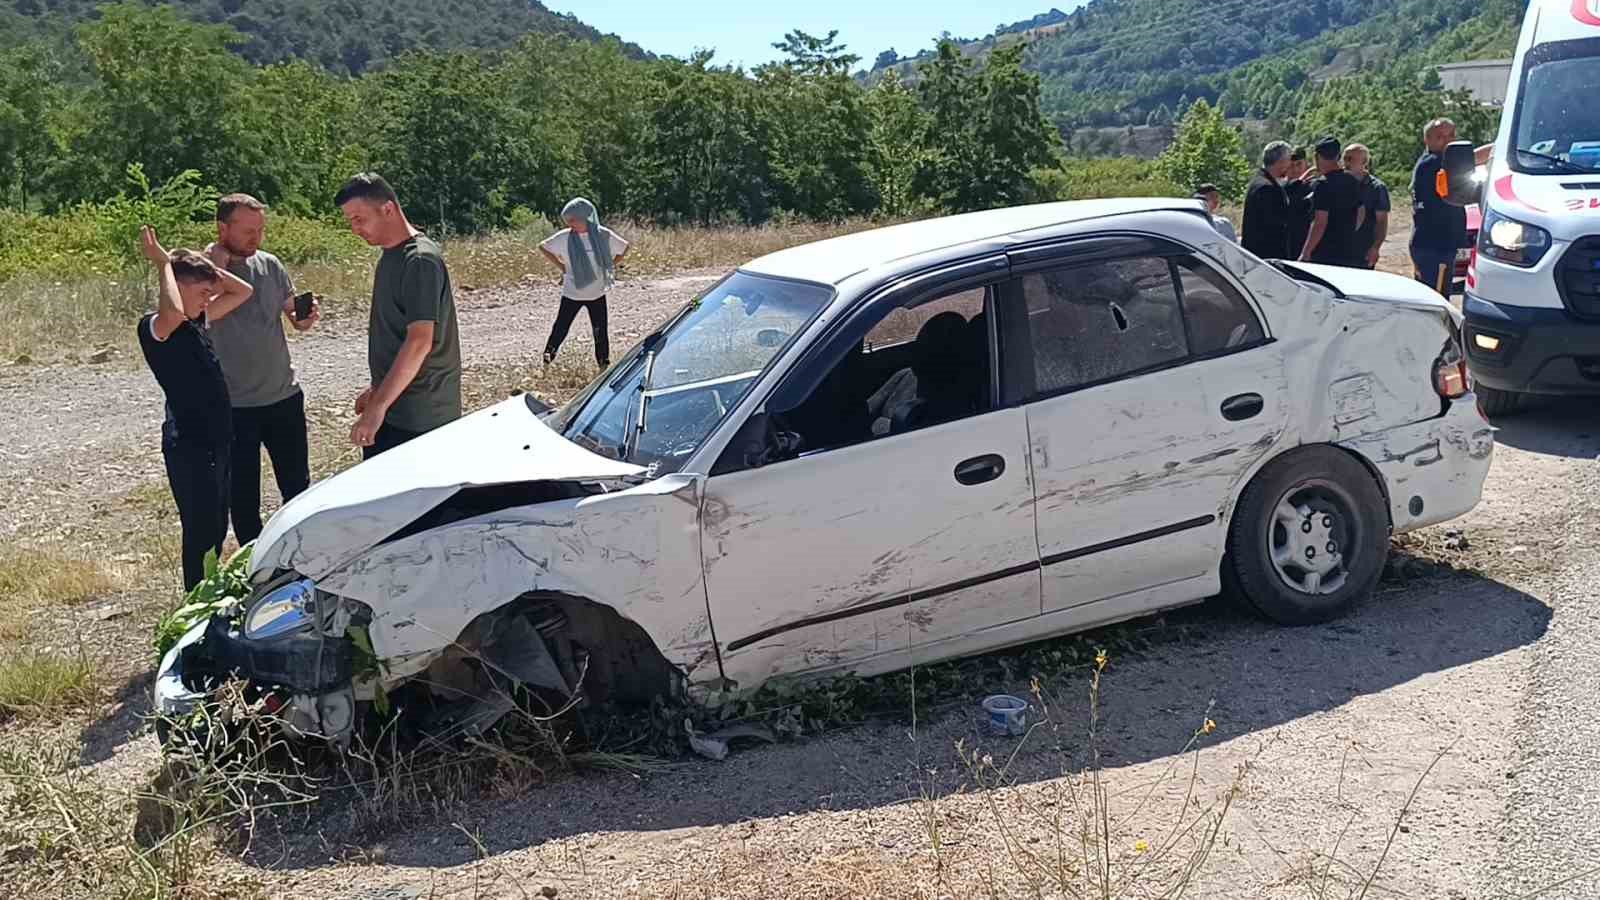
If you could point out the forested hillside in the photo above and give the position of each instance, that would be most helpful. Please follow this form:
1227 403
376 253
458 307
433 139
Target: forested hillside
341 35
137 109
1138 62
476 141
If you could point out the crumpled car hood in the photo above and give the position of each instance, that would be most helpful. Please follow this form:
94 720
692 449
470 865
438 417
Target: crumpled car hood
1368 285
339 518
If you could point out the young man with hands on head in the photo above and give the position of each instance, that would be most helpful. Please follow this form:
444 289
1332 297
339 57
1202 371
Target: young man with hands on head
197 434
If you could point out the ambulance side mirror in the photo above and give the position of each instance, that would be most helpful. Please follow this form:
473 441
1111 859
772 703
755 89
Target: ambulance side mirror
1455 181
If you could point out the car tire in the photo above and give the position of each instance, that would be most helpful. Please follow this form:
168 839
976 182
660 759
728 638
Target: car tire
1495 403
1309 537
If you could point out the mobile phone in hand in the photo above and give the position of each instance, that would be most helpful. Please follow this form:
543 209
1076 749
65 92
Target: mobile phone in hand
302 306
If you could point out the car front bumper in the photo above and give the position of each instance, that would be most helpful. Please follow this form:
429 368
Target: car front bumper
173 700
1540 350
311 677
1433 471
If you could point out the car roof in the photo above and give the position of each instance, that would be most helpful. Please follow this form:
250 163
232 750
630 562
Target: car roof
833 260
1565 20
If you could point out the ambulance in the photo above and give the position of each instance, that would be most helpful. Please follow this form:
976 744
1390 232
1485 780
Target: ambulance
1532 297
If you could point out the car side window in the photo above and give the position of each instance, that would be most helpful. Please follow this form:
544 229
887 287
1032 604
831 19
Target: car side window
1220 318
918 366
1097 322
902 323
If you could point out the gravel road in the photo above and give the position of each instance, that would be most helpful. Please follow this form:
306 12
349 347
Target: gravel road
1484 653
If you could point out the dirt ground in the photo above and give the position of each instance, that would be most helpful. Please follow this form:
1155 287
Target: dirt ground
1477 658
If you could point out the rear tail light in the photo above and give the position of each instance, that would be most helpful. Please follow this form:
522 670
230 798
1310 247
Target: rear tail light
1450 376
1472 267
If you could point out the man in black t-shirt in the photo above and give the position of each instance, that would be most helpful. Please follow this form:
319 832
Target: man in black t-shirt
1298 189
1438 228
1374 228
1337 213
198 432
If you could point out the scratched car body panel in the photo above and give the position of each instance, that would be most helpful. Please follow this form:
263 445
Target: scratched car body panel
921 442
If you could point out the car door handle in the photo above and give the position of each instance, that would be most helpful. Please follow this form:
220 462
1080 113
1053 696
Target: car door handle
1242 406
979 469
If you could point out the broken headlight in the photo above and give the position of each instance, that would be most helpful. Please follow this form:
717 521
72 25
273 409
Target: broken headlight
283 610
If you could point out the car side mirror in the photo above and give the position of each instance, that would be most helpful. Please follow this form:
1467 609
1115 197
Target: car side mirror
1455 182
755 444
748 449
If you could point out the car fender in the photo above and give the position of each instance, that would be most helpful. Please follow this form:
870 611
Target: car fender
636 551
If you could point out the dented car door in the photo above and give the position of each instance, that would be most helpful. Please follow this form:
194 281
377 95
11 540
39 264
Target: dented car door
897 531
1154 390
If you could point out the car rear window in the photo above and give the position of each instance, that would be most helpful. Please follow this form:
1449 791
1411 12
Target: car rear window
1101 321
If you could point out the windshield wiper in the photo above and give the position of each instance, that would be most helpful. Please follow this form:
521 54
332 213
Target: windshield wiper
1570 166
631 442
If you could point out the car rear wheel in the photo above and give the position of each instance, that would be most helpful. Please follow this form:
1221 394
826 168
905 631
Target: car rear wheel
1309 537
1496 403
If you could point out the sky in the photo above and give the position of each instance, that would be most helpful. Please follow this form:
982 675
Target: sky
742 31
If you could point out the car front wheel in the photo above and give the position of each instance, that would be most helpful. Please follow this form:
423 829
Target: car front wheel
1309 537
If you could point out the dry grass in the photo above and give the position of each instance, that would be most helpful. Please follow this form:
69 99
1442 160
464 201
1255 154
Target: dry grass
69 834
32 579
72 321
37 683
50 320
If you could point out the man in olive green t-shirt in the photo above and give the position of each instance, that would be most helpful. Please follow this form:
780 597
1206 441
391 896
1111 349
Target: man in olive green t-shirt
413 348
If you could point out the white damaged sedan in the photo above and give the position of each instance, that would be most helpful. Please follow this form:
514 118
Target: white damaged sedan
900 446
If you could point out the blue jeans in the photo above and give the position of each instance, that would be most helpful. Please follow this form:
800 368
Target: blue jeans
1434 267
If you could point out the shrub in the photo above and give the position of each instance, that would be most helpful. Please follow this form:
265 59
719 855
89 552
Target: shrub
1117 176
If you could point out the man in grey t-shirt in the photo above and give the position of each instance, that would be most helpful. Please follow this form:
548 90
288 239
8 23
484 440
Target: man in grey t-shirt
268 407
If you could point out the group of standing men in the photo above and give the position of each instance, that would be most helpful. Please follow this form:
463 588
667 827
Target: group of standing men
217 347
1337 213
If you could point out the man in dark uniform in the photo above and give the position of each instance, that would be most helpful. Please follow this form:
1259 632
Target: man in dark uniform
1438 228
1266 205
1337 212
1374 228
1298 187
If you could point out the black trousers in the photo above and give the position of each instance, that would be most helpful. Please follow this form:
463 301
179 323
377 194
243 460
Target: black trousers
388 438
281 428
597 322
198 475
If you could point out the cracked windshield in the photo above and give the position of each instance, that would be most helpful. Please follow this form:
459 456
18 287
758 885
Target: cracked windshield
691 374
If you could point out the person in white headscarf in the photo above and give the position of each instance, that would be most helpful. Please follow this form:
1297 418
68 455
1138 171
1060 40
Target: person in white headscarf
587 254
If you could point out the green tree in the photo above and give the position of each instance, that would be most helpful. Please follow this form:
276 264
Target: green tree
703 144
1013 133
949 92
984 133
814 115
1387 113
30 96
162 83
808 54
439 135
894 143
1206 149
299 133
